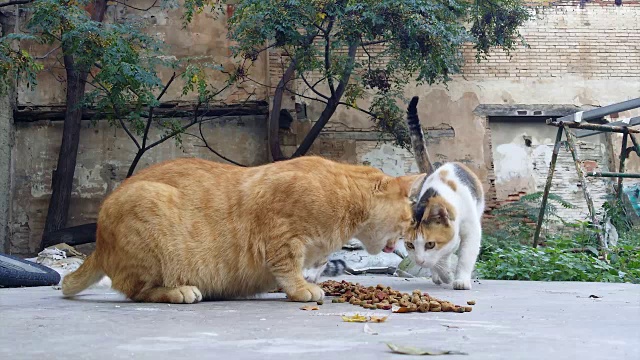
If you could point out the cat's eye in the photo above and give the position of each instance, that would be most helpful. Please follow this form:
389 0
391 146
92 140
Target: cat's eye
429 245
410 246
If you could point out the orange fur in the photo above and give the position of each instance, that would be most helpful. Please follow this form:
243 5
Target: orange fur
449 182
189 229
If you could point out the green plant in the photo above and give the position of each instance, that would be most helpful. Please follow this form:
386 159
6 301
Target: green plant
563 258
516 219
528 206
616 213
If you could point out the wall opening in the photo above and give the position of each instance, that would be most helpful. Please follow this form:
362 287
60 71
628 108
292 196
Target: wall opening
521 149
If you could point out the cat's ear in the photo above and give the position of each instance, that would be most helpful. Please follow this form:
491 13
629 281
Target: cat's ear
439 214
410 184
382 185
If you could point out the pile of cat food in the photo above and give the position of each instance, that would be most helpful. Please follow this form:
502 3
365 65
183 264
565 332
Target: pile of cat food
385 298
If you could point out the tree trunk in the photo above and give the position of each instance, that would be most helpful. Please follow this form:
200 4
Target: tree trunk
329 109
274 115
62 180
135 161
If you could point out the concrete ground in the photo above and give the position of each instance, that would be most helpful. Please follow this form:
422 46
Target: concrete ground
511 320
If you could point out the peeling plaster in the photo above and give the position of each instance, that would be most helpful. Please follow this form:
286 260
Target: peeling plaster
390 159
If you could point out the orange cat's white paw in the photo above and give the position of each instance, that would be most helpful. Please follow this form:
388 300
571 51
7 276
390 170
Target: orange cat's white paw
189 294
460 284
310 292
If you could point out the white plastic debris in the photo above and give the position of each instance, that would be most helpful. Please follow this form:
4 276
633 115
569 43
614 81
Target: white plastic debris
577 117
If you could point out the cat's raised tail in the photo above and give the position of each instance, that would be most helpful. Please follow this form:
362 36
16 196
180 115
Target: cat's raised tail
417 139
88 274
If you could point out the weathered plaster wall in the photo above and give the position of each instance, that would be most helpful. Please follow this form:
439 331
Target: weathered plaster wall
104 157
6 144
105 153
205 37
522 169
584 57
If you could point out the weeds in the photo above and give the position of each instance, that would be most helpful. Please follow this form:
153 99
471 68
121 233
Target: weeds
569 253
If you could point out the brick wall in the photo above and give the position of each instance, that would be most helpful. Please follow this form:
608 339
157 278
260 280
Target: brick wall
597 44
565 183
599 41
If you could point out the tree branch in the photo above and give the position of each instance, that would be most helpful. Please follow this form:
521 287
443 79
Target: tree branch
173 77
115 111
136 8
150 119
375 42
48 53
274 115
364 111
313 87
327 56
206 144
332 104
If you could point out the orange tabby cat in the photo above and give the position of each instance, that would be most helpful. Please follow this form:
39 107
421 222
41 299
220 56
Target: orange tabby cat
189 229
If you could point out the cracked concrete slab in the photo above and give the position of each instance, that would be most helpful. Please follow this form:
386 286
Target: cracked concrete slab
511 320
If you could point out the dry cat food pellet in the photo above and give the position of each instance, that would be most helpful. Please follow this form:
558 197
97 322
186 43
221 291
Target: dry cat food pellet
319 302
471 302
385 298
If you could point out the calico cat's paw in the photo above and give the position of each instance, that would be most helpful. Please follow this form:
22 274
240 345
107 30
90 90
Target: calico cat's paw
441 276
436 278
460 284
310 292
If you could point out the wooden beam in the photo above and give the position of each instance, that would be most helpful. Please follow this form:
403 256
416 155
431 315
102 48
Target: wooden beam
166 110
77 235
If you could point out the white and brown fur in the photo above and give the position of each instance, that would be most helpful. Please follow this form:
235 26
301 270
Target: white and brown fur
447 216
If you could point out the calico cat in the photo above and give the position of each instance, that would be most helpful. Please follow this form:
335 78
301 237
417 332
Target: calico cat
190 229
447 215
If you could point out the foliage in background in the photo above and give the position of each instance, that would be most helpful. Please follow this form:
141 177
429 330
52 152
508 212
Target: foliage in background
125 61
347 50
568 254
110 66
505 259
514 218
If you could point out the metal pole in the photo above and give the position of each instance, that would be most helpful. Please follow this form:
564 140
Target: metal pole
604 111
547 186
595 127
622 159
613 175
583 181
636 145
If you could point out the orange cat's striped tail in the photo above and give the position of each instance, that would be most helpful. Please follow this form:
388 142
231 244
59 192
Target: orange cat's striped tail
88 274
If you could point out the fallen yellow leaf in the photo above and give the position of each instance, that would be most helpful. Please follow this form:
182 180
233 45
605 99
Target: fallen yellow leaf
354 318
